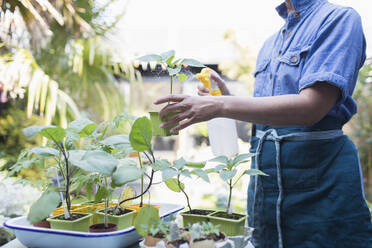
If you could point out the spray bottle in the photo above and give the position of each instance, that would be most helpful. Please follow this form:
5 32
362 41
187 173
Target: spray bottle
221 131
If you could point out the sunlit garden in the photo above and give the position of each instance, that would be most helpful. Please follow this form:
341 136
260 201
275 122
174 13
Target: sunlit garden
106 138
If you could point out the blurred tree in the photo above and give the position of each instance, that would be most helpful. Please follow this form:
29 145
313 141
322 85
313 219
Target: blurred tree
361 124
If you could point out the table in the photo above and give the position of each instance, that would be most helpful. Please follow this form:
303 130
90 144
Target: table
16 244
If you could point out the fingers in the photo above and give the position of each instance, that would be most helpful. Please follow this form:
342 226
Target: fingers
170 98
202 91
178 118
220 82
175 107
183 125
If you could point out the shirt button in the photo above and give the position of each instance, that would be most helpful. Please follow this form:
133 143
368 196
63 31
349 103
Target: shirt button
279 53
294 59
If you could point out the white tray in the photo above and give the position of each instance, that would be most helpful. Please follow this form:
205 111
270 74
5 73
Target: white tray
35 237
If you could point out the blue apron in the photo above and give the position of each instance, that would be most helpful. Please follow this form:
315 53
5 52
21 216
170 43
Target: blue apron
313 196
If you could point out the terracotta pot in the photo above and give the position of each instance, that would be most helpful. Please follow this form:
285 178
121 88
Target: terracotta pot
100 227
203 244
152 241
43 224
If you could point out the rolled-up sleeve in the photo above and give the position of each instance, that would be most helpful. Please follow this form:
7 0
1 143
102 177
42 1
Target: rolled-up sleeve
336 54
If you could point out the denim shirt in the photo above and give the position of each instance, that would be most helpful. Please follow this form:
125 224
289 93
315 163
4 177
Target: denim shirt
319 43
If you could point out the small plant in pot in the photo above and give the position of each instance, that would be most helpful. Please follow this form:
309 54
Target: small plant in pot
173 67
231 223
55 157
173 176
206 235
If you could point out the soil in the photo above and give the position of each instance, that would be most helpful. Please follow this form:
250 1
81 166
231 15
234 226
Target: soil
120 211
178 243
101 228
216 238
159 235
44 224
74 216
228 216
199 212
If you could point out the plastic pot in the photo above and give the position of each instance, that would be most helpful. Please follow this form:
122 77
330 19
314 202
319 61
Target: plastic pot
43 224
231 227
121 221
156 129
81 225
189 218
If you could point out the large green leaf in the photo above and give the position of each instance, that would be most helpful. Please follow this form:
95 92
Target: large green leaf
45 152
179 163
53 133
126 172
150 57
167 55
219 167
227 174
192 62
31 131
221 159
199 165
42 208
84 127
255 172
94 161
160 164
146 217
102 193
168 173
182 77
202 174
242 158
173 185
120 142
141 134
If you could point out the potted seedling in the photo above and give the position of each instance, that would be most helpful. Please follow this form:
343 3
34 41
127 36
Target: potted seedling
173 176
57 154
231 223
173 67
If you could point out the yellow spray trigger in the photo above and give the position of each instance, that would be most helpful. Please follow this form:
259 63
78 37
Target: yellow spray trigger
204 77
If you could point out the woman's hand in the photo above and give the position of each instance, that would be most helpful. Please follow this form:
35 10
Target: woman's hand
203 91
192 109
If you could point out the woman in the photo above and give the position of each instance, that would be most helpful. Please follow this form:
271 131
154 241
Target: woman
305 77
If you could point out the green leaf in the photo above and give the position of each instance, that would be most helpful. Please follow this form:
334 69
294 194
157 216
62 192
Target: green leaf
219 167
220 159
172 184
119 142
102 193
141 134
45 152
182 77
179 163
160 165
192 62
84 127
242 158
167 55
202 174
53 133
31 131
199 165
168 173
174 71
146 216
117 119
150 58
43 207
126 172
94 161
186 173
255 172
227 174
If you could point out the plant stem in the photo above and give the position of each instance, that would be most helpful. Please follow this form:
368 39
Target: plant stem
141 165
184 192
106 206
228 211
171 85
68 175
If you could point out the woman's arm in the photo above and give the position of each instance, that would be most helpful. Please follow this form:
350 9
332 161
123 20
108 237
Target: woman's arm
306 108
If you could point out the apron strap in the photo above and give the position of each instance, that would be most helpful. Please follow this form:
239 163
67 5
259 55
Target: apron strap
272 135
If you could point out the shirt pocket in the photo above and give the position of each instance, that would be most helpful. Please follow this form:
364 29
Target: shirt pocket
290 70
261 85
